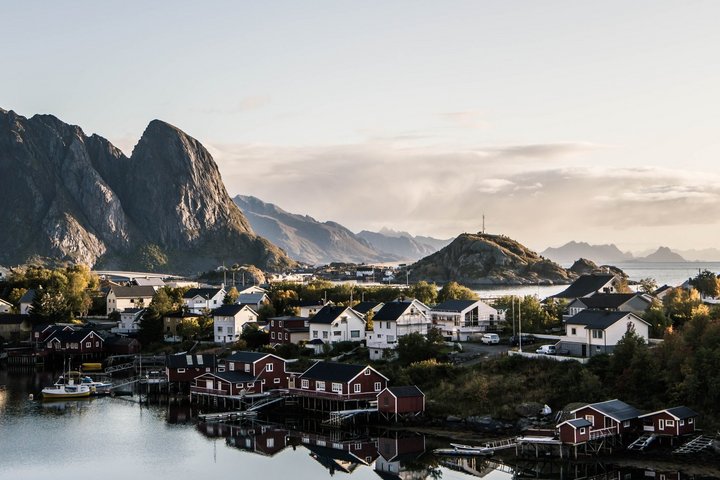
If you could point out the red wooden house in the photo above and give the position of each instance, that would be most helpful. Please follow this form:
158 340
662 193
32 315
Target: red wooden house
401 401
288 329
245 373
339 382
84 343
612 417
184 368
673 422
574 431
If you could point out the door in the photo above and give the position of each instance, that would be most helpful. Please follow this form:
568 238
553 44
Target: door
584 350
209 384
661 424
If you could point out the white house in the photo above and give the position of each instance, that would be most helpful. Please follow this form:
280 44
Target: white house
308 308
395 320
253 300
196 300
229 320
621 302
592 332
129 321
251 289
463 320
26 302
122 298
337 324
5 307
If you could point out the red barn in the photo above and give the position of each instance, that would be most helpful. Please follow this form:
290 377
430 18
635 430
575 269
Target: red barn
674 422
400 401
574 431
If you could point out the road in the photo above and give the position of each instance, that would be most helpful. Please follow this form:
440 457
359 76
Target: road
476 352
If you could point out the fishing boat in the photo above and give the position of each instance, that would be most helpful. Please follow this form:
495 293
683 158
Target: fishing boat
61 389
96 388
459 450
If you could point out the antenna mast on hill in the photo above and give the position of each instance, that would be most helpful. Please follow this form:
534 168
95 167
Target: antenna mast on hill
483 226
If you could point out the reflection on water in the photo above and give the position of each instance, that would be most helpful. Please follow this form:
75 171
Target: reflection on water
125 438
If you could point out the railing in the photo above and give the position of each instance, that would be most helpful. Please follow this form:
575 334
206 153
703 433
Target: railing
603 432
209 391
306 392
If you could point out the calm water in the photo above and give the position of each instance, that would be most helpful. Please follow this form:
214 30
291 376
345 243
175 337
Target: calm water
117 438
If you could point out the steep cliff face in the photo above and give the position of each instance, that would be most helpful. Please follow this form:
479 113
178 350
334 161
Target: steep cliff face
477 259
67 196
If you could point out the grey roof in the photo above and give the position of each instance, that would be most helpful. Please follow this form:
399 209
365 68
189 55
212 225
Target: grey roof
365 307
185 361
392 311
133 310
606 300
333 372
227 310
201 292
149 282
599 319
133 291
585 285
235 377
454 305
680 412
406 391
616 409
578 422
73 335
251 298
246 357
29 296
327 314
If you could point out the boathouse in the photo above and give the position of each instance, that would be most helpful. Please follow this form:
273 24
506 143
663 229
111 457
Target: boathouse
574 431
184 368
85 343
337 386
612 417
394 402
672 422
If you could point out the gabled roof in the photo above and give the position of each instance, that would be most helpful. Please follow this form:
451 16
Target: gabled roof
235 377
133 291
149 282
251 298
365 307
329 314
662 289
249 357
586 285
133 311
73 335
577 423
5 302
336 372
229 310
615 409
201 292
192 361
29 296
680 413
454 305
599 319
290 318
607 300
392 311
406 391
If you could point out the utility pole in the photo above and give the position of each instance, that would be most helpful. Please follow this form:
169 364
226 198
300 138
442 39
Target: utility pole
483 225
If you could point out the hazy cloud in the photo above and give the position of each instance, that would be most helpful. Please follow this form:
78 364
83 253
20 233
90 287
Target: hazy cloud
243 105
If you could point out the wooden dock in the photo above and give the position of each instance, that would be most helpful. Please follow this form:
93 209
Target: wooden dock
226 416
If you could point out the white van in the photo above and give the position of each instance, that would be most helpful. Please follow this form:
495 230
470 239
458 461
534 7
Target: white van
490 338
546 349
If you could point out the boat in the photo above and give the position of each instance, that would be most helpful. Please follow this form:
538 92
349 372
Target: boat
65 390
459 450
96 388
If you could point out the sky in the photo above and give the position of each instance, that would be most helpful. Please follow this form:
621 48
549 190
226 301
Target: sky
557 120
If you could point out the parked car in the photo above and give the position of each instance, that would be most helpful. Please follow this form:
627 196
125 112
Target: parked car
526 340
490 338
546 349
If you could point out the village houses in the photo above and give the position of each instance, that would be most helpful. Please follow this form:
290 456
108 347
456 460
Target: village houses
229 321
592 332
337 324
464 320
120 298
393 321
200 300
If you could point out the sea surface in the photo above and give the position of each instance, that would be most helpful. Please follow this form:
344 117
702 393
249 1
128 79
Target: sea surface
123 438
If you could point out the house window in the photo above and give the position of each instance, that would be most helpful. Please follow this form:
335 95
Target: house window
305 383
270 443
582 431
272 323
181 370
691 421
269 367
88 344
231 366
337 333
367 371
377 386
574 331
357 388
319 385
272 335
626 423
277 380
247 367
315 335
325 334
220 329
238 385
597 334
591 419
286 336
337 387
682 423
354 333
280 323
670 423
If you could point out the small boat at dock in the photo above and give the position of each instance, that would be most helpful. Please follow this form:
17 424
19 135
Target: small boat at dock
459 450
62 390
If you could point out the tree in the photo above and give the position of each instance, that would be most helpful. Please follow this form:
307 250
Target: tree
151 328
423 291
455 291
231 296
706 282
254 337
657 319
680 303
648 285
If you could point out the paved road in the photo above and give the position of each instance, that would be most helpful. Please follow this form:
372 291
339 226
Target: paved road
476 352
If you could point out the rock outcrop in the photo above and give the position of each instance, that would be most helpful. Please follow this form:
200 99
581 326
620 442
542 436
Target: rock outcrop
482 259
67 196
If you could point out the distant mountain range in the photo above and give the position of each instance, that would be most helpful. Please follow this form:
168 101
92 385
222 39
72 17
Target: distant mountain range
67 196
307 240
610 254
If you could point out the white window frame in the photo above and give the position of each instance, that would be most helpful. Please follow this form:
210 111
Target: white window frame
337 387
180 370
378 386
269 367
304 383
276 380
319 385
367 371
357 388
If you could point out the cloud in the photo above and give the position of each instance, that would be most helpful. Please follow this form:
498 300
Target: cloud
240 106
539 193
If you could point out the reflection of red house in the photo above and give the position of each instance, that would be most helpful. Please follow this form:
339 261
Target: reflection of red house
396 453
675 422
399 401
261 439
574 431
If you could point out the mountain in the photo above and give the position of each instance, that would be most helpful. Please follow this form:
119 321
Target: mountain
67 196
571 251
662 255
477 259
305 239
702 255
584 266
402 244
